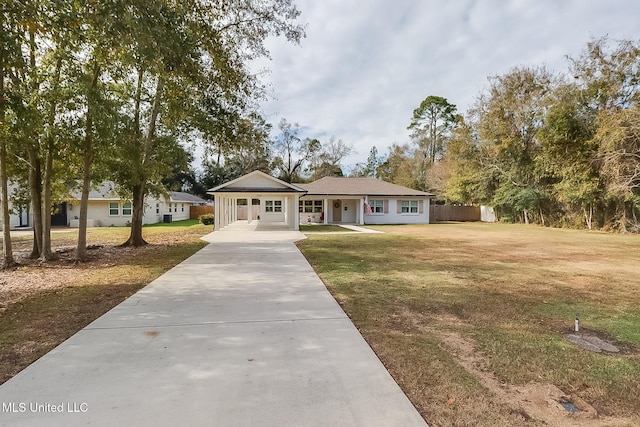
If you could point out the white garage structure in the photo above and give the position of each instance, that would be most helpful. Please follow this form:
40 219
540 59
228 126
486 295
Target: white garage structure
279 200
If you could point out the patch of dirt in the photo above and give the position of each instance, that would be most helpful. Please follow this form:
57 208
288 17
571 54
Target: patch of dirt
598 342
32 276
540 402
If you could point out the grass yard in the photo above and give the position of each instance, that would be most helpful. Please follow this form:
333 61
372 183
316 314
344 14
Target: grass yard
469 318
42 305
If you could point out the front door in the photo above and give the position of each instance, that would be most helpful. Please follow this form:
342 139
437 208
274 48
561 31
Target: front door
337 211
59 218
24 217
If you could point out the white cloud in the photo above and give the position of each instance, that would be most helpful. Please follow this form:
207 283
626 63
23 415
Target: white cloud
365 65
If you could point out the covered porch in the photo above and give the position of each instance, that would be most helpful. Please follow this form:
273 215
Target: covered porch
277 201
275 208
331 210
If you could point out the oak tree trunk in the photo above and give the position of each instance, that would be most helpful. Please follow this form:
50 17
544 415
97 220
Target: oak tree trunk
35 188
87 160
135 237
139 190
7 253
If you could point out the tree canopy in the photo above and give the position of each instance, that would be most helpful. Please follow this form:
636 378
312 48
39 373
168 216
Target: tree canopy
557 148
95 90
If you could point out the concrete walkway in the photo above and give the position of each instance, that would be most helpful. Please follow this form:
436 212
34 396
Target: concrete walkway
349 229
360 229
243 333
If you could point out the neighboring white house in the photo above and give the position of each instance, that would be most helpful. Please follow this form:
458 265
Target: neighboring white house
18 217
362 201
106 208
327 200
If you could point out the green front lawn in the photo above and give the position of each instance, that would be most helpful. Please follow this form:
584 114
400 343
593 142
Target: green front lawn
183 223
456 309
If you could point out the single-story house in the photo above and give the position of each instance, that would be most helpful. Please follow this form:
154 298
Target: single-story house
362 201
278 200
106 208
327 200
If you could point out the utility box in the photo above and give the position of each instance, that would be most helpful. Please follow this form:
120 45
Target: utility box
167 218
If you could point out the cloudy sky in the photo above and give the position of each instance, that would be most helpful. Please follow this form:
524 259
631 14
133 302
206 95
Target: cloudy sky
366 64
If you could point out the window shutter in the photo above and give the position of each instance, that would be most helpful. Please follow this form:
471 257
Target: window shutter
386 206
399 205
421 206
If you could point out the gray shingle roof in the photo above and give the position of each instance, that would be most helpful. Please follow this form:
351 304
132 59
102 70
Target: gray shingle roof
179 196
106 191
367 186
103 191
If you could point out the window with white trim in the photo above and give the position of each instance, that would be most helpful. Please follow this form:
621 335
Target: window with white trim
126 209
182 206
377 206
409 206
114 208
273 206
310 206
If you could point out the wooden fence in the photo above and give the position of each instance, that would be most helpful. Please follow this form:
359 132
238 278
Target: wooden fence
453 213
196 211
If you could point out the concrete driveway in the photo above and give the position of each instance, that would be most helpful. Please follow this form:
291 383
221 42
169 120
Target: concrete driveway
243 333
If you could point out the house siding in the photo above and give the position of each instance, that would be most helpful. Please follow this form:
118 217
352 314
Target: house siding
257 181
98 211
272 216
392 211
14 221
394 215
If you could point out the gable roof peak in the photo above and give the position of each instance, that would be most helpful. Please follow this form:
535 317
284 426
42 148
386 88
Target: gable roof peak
227 186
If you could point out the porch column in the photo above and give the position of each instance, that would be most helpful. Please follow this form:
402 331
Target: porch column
286 211
226 211
249 210
296 216
326 211
216 212
223 206
361 219
234 209
225 216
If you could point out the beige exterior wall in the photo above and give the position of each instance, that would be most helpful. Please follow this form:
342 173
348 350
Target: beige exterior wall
255 181
155 209
272 216
14 219
98 211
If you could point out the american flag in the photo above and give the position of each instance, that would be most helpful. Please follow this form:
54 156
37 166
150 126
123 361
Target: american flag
367 205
